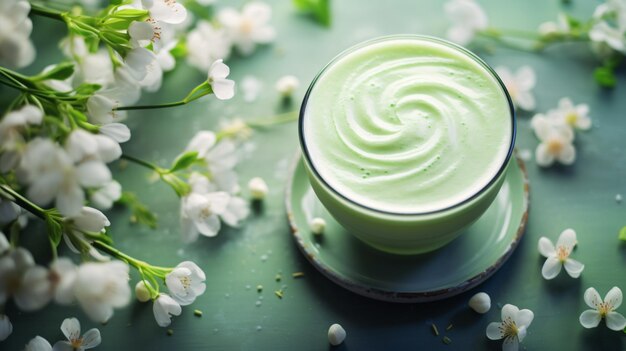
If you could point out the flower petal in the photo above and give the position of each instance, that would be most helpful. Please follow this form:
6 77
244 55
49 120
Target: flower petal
590 319
567 155
573 268
38 344
510 344
524 318
615 321
509 312
545 246
70 201
91 338
525 101
525 78
224 89
63 346
494 331
6 328
551 268
71 328
218 70
209 226
592 298
543 157
614 297
567 239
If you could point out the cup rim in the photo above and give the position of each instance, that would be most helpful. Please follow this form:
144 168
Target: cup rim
463 50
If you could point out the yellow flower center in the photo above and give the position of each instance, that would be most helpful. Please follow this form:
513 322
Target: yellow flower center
604 308
76 343
555 146
246 26
562 253
206 212
186 282
508 329
571 118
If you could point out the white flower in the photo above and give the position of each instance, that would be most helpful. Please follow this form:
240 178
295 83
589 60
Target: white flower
75 342
81 145
164 308
124 90
100 287
205 44
561 26
142 293
223 88
287 85
512 329
610 25
575 116
63 276
556 142
137 61
9 212
11 140
5 246
116 131
89 220
603 309
467 19
6 328
480 303
236 211
248 27
38 344
200 214
51 175
164 62
251 87
16 49
235 128
101 109
13 265
35 289
559 256
186 282
258 188
519 85
105 196
93 68
336 334
221 158
168 11
317 225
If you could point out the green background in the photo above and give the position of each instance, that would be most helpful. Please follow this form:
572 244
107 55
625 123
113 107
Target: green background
581 196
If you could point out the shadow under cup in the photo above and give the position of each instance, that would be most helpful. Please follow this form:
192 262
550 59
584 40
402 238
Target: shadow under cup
405 233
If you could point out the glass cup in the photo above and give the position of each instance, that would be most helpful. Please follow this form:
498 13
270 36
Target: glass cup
404 233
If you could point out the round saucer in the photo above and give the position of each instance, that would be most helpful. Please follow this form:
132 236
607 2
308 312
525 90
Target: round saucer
457 267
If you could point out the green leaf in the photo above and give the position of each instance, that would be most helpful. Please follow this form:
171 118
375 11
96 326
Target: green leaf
180 50
55 230
140 212
87 89
319 9
622 234
61 71
605 76
130 14
184 161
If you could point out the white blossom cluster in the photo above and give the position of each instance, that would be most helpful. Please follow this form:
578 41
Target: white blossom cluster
242 30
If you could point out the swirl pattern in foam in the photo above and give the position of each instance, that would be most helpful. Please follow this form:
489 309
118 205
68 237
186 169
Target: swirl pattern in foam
409 125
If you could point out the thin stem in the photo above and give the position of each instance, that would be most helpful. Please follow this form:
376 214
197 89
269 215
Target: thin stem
144 266
143 163
46 12
148 107
24 202
277 119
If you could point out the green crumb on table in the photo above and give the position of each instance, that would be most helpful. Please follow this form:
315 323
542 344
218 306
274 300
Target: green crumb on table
278 277
197 313
170 332
449 327
446 340
259 288
435 330
622 234
279 293
297 274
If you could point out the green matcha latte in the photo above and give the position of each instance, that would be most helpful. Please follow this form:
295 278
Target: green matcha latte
407 125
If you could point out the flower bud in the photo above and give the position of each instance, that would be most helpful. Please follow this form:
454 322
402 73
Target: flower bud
141 291
481 303
336 334
318 225
258 188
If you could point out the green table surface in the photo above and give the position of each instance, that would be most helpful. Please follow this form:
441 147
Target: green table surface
581 197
